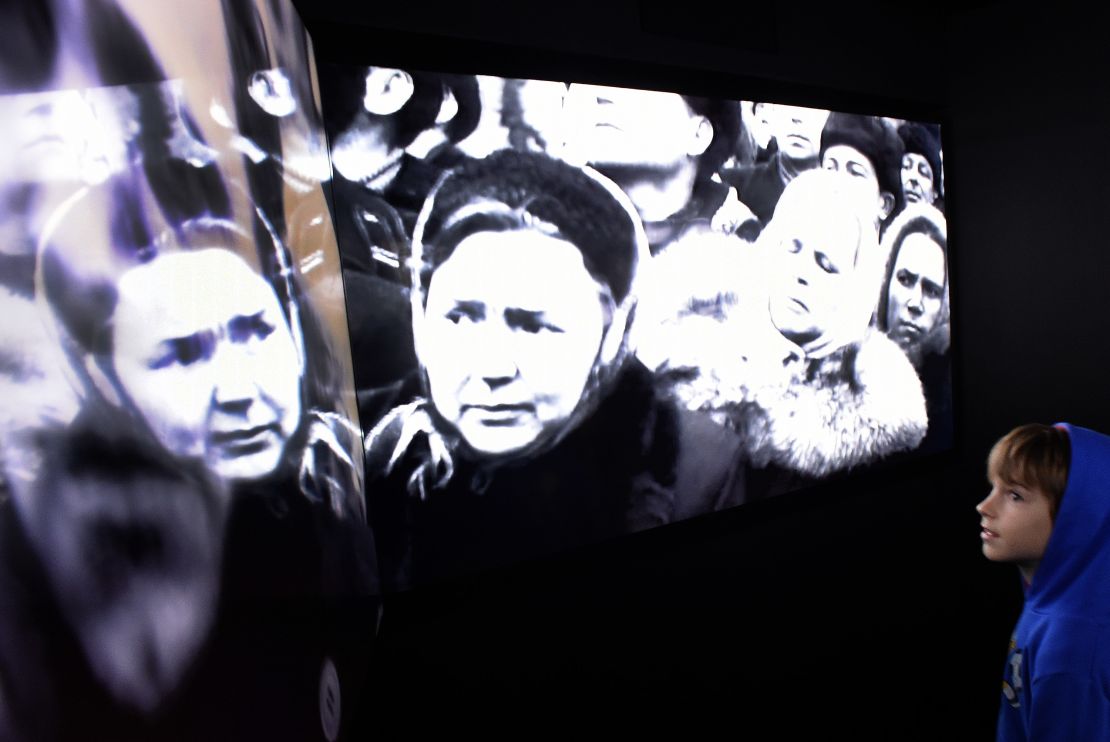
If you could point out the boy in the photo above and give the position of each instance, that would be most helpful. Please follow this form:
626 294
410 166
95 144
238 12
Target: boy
1049 512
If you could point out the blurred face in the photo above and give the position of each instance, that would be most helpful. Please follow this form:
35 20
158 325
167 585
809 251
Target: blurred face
812 261
798 130
203 350
610 126
841 158
49 136
916 291
1015 524
917 179
513 326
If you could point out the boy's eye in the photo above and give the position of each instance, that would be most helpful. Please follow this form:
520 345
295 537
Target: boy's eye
1015 496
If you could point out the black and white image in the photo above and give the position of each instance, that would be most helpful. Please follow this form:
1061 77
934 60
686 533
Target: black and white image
531 377
184 550
528 380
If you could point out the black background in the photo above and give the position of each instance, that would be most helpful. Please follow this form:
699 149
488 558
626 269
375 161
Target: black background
857 609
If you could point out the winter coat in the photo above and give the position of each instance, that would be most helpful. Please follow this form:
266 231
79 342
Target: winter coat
635 463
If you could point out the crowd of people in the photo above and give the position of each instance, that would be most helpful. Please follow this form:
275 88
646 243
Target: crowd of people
787 315
571 312
184 551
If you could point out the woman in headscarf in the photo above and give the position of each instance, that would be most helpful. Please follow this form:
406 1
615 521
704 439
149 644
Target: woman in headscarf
207 478
530 429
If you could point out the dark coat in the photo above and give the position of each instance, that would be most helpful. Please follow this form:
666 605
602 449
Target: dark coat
298 587
636 463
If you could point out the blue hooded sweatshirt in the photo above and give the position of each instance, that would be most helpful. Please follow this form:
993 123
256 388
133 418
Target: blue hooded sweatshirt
1056 683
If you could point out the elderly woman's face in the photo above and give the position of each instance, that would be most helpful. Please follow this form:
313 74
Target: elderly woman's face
514 323
204 352
812 260
916 291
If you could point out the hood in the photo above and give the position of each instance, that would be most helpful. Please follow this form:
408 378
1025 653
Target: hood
1074 575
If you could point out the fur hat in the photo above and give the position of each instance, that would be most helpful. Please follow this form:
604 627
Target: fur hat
876 140
919 139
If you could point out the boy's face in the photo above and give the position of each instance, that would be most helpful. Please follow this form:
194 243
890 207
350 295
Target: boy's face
1016 522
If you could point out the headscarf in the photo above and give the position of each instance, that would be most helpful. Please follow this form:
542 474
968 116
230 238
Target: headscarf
515 190
101 231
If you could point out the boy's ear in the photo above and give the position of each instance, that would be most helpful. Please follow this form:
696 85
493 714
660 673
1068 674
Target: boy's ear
387 90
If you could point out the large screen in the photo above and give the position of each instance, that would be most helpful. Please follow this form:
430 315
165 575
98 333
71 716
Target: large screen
579 311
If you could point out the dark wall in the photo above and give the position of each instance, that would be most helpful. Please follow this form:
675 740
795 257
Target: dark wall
863 607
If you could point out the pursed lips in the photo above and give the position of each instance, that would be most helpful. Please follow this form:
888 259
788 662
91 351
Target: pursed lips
499 415
500 408
242 436
910 328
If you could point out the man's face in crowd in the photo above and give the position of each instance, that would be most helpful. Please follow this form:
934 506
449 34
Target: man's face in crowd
814 256
204 353
916 291
513 326
797 130
917 179
625 127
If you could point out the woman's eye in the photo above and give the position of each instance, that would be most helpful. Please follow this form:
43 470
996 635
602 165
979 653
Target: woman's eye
186 351
461 315
931 290
244 329
529 322
793 246
905 279
825 264
530 326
